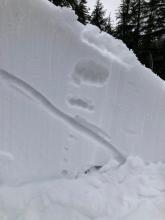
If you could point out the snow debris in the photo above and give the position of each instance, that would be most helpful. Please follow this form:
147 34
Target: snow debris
98 195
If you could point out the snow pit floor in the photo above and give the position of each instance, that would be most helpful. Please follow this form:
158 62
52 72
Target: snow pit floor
132 191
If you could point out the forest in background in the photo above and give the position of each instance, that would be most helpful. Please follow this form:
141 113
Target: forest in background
140 25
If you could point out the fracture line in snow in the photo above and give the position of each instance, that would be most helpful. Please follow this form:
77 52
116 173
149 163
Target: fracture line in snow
40 99
92 127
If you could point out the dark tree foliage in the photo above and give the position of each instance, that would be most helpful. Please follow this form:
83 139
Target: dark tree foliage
141 25
123 30
65 3
136 12
82 12
152 32
98 16
108 26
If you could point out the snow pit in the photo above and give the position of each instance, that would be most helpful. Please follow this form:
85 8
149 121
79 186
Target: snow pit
68 156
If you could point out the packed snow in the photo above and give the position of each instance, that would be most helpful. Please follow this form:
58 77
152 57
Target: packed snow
81 121
132 191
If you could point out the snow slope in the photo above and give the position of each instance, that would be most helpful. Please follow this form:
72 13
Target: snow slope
71 98
74 105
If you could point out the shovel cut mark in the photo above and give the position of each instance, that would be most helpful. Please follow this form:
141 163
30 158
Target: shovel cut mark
82 103
90 72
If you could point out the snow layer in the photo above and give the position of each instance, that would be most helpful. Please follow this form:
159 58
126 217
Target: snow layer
75 104
132 191
48 56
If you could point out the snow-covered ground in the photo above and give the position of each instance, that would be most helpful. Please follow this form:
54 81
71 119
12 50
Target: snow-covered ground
72 100
132 191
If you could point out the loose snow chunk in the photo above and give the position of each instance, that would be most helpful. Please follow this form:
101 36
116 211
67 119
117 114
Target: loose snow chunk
90 72
82 103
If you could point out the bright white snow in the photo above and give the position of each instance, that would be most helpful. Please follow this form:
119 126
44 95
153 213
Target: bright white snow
72 100
132 191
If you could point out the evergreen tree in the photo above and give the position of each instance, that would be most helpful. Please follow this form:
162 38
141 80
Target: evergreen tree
154 17
150 29
108 26
98 16
136 14
153 30
65 3
124 26
141 25
82 12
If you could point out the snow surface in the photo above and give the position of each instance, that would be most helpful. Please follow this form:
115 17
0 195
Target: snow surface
73 100
132 191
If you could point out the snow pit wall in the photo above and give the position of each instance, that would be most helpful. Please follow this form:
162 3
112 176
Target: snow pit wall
46 47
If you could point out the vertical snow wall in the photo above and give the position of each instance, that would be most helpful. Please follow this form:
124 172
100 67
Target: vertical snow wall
56 68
